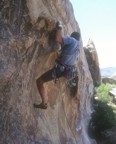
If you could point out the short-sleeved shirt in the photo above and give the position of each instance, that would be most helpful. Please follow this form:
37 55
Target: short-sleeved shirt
70 51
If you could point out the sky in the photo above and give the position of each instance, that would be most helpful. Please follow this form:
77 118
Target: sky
97 20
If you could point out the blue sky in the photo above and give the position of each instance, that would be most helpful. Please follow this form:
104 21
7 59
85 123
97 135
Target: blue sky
97 20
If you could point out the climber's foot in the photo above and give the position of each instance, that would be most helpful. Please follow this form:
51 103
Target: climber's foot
41 106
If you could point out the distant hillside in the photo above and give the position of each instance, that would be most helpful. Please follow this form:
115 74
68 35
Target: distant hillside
108 72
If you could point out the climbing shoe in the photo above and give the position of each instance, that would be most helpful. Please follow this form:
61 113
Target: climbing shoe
41 106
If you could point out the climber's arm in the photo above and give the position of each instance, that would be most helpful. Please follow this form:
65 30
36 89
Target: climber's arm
58 38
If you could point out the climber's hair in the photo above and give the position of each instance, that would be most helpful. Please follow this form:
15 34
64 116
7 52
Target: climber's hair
75 35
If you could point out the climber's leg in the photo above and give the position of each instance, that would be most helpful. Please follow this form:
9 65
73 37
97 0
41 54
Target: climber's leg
42 91
48 76
40 85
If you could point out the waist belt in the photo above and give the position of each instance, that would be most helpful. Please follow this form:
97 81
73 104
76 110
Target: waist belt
65 65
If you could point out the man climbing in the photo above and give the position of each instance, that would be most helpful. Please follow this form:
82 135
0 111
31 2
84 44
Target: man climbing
65 64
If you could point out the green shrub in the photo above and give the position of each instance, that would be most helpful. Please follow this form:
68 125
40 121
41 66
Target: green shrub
104 117
103 92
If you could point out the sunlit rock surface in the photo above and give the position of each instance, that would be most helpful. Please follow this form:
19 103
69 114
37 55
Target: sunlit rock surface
26 51
93 62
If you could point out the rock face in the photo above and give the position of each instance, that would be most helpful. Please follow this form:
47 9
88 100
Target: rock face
26 51
93 62
113 91
108 80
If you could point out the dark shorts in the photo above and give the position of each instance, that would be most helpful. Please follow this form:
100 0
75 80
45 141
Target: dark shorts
52 74
60 71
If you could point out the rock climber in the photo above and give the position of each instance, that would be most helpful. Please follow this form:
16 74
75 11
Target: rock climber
65 64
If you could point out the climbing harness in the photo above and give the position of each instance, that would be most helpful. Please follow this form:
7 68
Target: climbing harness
57 71
69 72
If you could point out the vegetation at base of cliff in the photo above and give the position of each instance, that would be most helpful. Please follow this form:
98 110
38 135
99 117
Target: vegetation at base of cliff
104 117
103 92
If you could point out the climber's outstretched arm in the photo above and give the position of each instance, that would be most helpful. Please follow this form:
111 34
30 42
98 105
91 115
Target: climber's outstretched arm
58 38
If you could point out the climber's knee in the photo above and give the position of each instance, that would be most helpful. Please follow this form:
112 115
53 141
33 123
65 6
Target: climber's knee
39 82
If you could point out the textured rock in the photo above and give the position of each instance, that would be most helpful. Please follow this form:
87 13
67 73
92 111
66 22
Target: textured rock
108 80
26 51
113 91
93 62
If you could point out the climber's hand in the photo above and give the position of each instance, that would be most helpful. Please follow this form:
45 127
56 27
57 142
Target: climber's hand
59 25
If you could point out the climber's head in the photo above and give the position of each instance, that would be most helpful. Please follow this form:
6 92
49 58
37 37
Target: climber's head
75 35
